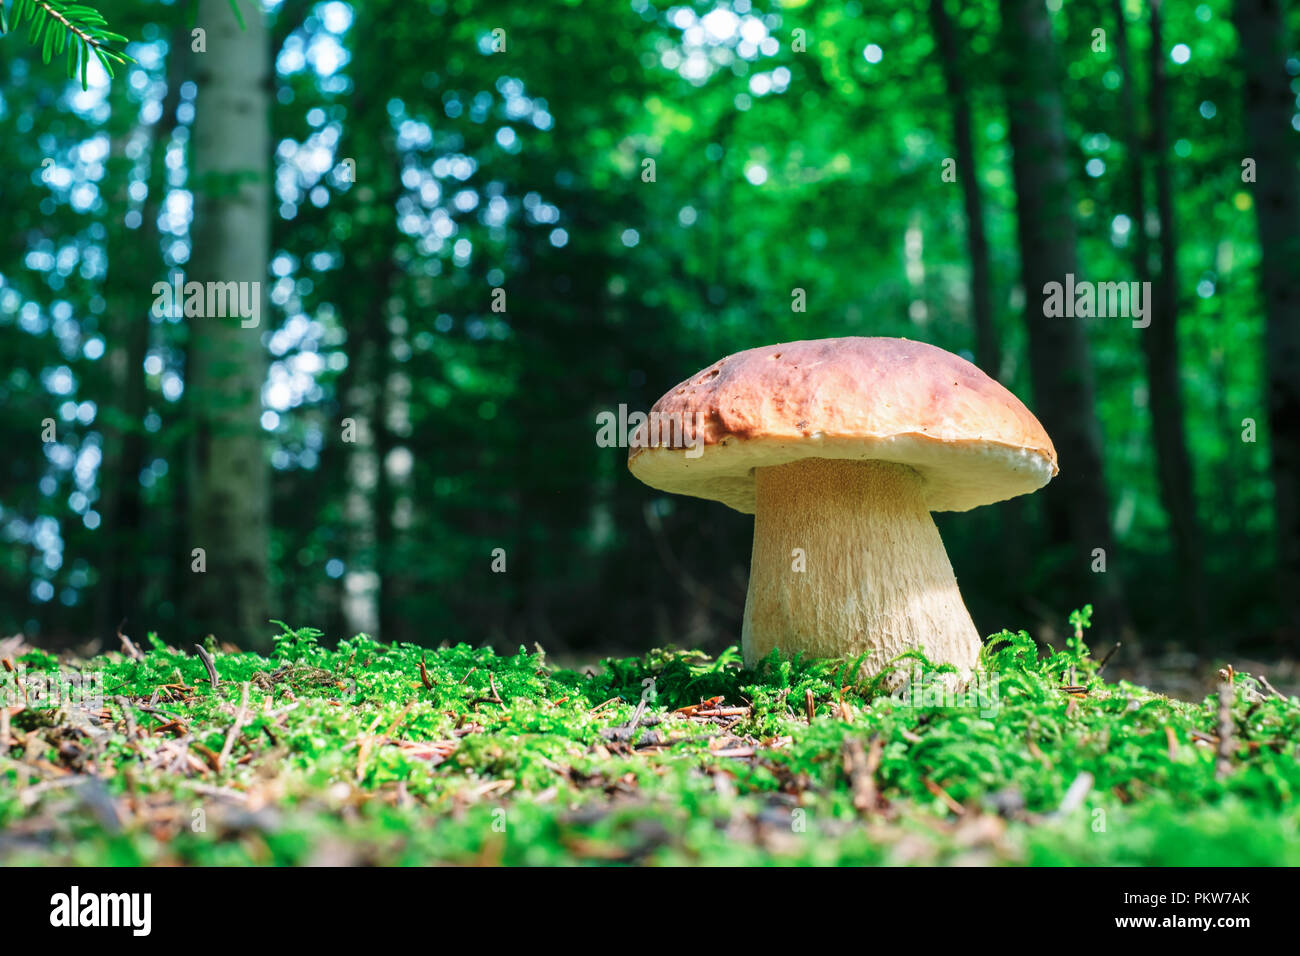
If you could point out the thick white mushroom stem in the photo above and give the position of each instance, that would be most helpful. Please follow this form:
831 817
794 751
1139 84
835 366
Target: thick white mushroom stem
847 561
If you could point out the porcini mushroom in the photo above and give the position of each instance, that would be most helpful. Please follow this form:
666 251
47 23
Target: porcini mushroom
841 448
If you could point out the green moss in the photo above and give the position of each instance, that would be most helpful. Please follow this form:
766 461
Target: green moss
352 755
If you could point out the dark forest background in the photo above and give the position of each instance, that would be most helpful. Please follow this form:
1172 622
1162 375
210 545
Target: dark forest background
480 224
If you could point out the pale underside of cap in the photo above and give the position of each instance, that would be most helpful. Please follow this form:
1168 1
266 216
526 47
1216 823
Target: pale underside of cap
866 399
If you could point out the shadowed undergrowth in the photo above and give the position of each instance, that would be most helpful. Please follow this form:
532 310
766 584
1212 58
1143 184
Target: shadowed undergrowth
373 753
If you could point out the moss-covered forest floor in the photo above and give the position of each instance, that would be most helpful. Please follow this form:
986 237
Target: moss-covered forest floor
372 753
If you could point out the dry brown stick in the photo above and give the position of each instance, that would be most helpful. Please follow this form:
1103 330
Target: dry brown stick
637 714
222 792
214 761
1076 793
861 766
1102 663
424 675
1226 698
128 646
363 748
156 712
392 728
1271 689
809 706
240 717
724 712
209 663
495 697
945 796
127 715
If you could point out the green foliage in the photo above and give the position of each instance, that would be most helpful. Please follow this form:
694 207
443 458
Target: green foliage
61 27
495 409
382 753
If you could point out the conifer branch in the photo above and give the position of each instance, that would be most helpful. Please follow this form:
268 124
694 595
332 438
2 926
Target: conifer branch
59 26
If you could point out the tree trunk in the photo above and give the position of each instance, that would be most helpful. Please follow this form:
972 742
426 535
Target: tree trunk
230 161
1269 105
133 265
372 203
1160 340
988 353
1076 503
1008 516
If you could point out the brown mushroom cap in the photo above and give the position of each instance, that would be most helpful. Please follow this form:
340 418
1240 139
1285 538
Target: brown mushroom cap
868 399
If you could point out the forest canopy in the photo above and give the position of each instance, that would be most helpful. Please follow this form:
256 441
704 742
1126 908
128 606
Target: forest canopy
449 239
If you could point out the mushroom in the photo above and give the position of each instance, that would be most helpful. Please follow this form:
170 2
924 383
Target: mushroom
841 448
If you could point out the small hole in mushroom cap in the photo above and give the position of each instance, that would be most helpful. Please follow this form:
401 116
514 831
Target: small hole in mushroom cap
776 355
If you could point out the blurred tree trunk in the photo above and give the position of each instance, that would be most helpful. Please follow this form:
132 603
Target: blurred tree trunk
1009 516
988 352
1160 340
368 604
123 410
1269 105
133 266
361 583
230 160
372 203
1076 502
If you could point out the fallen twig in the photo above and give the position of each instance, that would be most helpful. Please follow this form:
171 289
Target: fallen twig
213 759
364 745
724 712
392 728
220 792
860 766
945 796
637 714
127 715
735 752
1227 696
1076 794
209 663
128 646
690 710
240 717
1263 681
